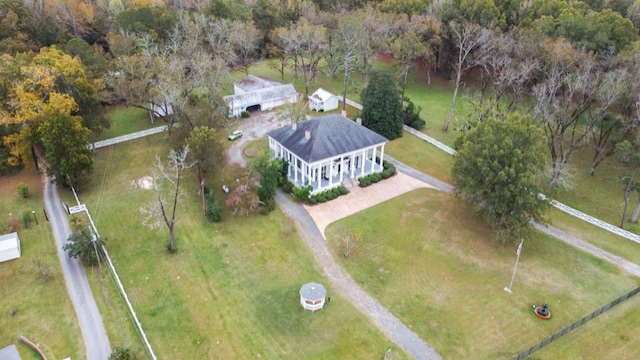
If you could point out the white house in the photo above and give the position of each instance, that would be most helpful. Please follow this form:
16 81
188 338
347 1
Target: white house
9 247
325 152
259 93
322 100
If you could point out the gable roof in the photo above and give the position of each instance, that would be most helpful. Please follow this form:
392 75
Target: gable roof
253 83
322 95
259 96
9 241
331 135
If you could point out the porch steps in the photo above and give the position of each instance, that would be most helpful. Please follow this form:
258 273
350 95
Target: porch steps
349 183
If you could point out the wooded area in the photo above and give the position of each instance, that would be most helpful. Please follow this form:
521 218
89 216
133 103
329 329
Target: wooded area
573 66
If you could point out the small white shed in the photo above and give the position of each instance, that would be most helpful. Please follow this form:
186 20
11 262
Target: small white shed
9 247
322 100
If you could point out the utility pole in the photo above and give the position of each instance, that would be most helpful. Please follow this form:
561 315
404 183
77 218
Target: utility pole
515 268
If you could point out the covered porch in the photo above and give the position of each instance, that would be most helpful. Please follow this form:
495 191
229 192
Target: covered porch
332 172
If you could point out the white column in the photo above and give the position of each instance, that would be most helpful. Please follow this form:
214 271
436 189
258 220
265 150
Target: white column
364 162
330 172
341 168
287 157
353 165
381 156
373 159
319 177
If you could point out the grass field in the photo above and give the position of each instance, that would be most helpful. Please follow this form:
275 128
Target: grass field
443 272
232 289
126 120
34 300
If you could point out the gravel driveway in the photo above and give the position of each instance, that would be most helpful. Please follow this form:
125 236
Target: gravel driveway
311 222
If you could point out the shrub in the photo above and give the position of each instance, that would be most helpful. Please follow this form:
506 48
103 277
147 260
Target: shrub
23 190
287 186
214 207
313 200
375 177
331 195
26 218
302 193
322 199
267 206
121 353
418 124
245 114
343 190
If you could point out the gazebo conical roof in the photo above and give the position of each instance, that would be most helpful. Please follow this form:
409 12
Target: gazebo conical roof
313 291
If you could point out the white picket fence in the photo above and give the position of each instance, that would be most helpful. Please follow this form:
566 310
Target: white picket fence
558 205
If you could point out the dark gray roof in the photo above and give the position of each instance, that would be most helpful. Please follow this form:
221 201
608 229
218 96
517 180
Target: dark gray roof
313 291
330 135
10 353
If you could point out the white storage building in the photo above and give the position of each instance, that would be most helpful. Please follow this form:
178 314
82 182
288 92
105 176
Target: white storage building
9 247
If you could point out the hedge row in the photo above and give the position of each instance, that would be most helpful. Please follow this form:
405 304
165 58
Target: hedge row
328 195
388 171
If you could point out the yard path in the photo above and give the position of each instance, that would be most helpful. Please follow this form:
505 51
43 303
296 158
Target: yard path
344 284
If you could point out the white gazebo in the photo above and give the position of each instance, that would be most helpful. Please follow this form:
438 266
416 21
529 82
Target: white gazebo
312 296
328 151
9 247
322 100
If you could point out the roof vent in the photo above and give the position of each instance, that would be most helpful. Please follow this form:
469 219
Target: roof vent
294 126
307 134
359 120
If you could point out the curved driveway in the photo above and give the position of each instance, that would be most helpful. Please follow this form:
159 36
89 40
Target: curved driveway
93 332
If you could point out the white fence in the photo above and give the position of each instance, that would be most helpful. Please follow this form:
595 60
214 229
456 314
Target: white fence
558 205
132 136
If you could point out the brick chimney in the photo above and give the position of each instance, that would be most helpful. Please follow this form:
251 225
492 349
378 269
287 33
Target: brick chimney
359 120
307 134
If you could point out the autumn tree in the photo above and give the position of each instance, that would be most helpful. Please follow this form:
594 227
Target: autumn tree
42 101
162 211
382 106
495 170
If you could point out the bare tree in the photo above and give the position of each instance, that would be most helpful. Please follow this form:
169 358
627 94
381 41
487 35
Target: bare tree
350 34
161 212
304 43
468 38
407 48
610 126
569 89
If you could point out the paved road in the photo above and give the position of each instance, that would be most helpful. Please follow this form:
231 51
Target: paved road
93 332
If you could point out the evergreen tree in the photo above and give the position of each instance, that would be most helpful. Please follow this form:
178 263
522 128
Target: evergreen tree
382 106
496 169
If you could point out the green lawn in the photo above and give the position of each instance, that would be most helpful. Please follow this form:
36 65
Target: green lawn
439 269
232 289
34 300
126 120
